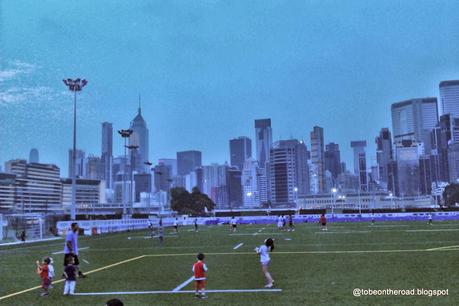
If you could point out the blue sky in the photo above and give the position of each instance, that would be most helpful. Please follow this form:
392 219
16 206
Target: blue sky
206 69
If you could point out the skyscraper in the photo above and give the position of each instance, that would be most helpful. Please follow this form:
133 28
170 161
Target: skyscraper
171 163
449 97
318 157
414 119
333 159
188 161
33 156
139 138
240 150
383 153
407 154
79 163
107 153
234 187
360 163
254 184
289 171
263 140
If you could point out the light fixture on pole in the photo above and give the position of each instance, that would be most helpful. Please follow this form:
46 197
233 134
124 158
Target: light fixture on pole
125 134
74 86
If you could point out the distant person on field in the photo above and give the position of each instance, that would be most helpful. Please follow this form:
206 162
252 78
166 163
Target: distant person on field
372 218
51 272
279 223
265 260
323 222
176 225
199 270
196 224
71 247
43 271
161 234
290 223
70 272
114 302
233 224
430 219
23 236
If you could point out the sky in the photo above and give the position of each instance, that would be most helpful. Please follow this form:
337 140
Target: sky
206 69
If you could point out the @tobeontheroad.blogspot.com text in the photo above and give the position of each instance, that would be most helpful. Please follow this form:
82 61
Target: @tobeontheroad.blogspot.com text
357 292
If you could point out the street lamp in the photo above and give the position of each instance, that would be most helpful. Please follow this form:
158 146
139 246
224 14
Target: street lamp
149 164
334 191
74 86
131 200
124 134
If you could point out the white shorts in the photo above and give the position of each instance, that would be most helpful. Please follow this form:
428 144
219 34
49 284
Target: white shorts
265 263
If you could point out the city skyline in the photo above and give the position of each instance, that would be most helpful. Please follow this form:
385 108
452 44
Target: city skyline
316 76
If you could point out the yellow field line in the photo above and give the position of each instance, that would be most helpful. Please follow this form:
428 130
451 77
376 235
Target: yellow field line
61 280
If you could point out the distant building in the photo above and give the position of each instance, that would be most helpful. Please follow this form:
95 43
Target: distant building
240 150
163 178
449 97
360 163
107 153
79 163
142 184
333 159
7 192
171 163
263 140
425 175
139 138
89 193
94 168
318 157
188 161
234 186
453 163
384 154
254 184
445 134
407 154
414 119
34 156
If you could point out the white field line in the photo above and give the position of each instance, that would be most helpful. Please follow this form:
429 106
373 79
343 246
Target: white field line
444 247
254 234
238 246
62 252
184 291
183 285
375 225
433 230
86 261
346 232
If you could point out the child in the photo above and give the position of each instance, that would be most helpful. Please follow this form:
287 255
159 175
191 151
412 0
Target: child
196 225
199 270
70 277
279 223
323 222
176 225
43 271
161 234
430 219
233 223
290 224
265 260
51 272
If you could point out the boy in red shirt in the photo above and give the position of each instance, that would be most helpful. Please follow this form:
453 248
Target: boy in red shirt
323 222
199 270
43 271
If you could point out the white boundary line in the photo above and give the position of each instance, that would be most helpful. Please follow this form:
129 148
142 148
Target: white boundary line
85 261
183 285
347 232
433 230
184 291
445 247
62 252
238 246
254 234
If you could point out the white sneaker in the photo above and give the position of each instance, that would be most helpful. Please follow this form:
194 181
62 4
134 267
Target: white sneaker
269 285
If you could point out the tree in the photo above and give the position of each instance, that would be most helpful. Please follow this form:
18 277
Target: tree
194 203
451 195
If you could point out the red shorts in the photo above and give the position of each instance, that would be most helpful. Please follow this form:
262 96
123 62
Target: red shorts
200 284
45 282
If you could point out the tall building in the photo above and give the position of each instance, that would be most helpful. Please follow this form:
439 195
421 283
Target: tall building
453 163
79 163
254 184
188 161
318 157
171 163
408 153
360 163
240 150
383 154
425 175
213 175
94 168
332 159
107 153
33 156
139 137
163 177
449 97
263 140
234 187
89 193
289 171
414 119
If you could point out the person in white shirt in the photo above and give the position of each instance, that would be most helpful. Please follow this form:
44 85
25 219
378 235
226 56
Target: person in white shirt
176 225
265 260
233 224
280 223
51 272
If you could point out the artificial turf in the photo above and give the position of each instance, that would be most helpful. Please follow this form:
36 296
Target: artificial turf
312 267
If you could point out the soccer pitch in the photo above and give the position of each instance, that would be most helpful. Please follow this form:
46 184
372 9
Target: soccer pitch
309 266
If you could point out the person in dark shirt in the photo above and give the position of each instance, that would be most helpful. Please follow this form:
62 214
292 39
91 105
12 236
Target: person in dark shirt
70 272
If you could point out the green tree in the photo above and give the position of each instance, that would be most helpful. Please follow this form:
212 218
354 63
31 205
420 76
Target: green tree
451 195
194 203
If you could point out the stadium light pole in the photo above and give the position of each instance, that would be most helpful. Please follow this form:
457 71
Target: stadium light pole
149 164
131 202
125 134
74 86
334 191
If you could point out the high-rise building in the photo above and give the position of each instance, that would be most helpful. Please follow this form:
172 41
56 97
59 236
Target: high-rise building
254 184
414 119
383 154
408 153
213 175
318 157
360 163
163 177
188 161
89 193
94 168
263 140
107 153
171 163
449 97
142 184
425 175
240 150
33 156
139 137
289 171
333 159
453 162
79 163
234 187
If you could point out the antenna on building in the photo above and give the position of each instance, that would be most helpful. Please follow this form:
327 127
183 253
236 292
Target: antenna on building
139 104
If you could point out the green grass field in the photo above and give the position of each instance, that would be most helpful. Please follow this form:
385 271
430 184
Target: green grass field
311 267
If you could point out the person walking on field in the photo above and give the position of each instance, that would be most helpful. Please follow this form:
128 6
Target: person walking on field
71 248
